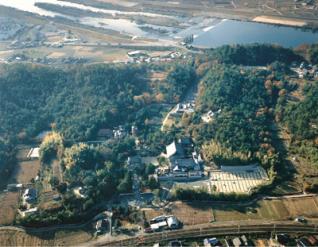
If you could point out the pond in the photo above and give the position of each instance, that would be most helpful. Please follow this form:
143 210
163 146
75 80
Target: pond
228 32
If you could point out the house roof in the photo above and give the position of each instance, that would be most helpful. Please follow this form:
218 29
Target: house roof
172 221
174 149
101 223
183 163
34 153
105 133
134 160
237 242
185 141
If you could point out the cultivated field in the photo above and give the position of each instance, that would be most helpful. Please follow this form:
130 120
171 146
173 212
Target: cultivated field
189 214
8 209
68 238
304 206
205 212
23 173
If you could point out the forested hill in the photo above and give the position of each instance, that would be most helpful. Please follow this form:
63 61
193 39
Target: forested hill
253 55
78 101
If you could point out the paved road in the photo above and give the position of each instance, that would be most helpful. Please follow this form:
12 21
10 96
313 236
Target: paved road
218 229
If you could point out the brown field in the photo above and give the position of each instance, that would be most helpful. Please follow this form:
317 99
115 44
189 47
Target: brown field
25 171
304 206
69 238
192 214
278 209
281 21
9 204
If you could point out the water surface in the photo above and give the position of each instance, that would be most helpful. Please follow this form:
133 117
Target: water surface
230 32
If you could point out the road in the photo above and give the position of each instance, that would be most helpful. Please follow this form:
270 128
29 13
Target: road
216 229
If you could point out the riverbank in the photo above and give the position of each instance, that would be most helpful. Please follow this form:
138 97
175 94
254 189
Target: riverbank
280 21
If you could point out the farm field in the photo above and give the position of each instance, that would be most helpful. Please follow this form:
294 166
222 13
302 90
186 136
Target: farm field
22 174
9 204
191 214
206 212
63 238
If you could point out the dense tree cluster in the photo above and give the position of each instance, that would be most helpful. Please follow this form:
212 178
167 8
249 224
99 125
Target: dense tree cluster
302 121
313 54
78 101
7 158
302 117
242 100
253 55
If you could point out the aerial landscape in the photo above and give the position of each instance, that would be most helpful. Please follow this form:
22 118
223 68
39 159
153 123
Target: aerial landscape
159 123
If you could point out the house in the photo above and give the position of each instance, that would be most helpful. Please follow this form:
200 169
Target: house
29 197
282 239
42 135
105 133
303 242
175 243
134 130
197 158
237 242
34 153
101 225
14 187
181 164
119 133
134 162
177 165
28 212
174 150
165 222
184 108
208 242
209 116
137 54
173 222
80 192
186 142
244 240
312 240
158 226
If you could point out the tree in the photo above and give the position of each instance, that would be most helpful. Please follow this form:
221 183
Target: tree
153 183
125 185
81 156
51 147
